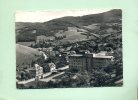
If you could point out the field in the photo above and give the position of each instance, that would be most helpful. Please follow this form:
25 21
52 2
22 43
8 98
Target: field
27 43
25 55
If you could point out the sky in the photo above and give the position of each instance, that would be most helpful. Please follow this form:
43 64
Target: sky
43 16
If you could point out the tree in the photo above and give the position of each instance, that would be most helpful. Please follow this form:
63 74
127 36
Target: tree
101 79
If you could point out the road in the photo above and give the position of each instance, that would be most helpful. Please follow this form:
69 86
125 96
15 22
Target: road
63 68
51 77
45 75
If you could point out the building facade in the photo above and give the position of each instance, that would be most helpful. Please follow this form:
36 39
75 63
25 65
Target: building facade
36 71
89 61
102 59
81 62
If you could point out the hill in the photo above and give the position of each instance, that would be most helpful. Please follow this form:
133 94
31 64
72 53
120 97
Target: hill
26 32
25 55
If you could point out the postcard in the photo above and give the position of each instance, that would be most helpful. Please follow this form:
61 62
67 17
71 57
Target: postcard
69 49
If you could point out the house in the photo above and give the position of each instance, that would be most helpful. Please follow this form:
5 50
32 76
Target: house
36 71
52 67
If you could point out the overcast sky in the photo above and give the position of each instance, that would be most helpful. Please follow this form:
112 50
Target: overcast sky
43 16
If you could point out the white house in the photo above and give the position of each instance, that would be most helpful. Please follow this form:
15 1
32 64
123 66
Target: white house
52 67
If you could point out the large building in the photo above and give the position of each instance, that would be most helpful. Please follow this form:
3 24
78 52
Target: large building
81 62
89 60
102 59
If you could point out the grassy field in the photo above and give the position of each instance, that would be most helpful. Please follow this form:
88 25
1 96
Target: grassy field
43 37
25 55
72 35
93 26
27 43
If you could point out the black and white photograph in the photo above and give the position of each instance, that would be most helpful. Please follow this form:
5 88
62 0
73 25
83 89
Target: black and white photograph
69 49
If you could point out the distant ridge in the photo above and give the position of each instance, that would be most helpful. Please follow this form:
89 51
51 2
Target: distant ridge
50 28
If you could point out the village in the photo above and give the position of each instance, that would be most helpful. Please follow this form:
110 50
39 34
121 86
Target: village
55 62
